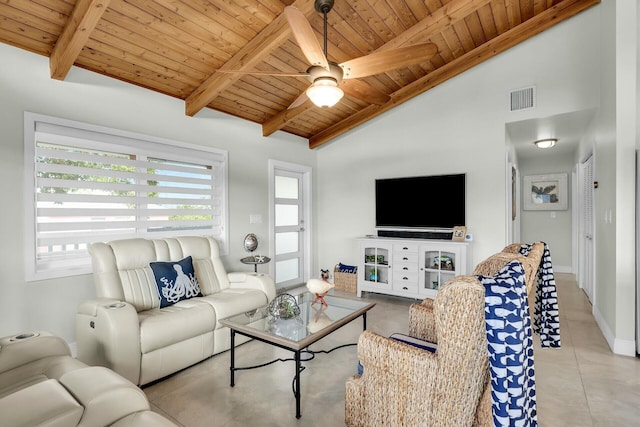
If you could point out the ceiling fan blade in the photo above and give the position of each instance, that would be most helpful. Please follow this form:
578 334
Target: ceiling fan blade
387 60
305 37
267 73
301 99
364 92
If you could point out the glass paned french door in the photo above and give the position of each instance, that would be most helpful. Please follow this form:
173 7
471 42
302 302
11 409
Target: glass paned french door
289 228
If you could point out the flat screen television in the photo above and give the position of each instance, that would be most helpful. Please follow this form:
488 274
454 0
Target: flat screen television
426 202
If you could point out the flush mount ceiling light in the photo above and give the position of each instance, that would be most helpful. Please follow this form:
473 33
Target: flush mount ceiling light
546 143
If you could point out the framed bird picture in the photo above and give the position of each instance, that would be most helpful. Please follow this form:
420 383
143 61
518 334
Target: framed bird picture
545 192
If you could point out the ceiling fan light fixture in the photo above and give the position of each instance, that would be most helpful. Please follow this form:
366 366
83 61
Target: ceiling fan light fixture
324 92
546 143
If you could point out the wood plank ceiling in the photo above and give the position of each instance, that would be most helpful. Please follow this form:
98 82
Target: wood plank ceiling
175 47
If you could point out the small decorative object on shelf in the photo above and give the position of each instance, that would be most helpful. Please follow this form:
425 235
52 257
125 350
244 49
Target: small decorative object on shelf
459 233
250 244
369 258
380 259
320 288
443 262
373 274
284 306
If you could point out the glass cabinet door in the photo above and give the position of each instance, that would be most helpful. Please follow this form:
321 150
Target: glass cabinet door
438 266
376 266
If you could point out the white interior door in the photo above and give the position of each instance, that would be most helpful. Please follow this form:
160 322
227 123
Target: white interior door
587 266
290 224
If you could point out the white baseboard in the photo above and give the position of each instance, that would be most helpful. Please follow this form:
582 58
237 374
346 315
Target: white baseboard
625 347
618 346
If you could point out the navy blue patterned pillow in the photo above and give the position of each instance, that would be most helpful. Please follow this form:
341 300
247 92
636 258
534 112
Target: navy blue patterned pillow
176 281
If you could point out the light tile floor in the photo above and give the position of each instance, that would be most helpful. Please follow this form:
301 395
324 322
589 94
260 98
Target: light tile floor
581 384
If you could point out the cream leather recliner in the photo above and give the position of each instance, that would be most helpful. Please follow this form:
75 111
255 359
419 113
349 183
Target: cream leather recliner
41 384
126 330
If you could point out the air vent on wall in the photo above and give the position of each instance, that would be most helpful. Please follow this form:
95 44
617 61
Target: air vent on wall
522 99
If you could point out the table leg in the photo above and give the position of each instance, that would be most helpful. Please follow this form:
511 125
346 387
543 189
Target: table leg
232 352
364 321
298 414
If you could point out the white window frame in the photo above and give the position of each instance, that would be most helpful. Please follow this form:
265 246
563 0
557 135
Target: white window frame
93 136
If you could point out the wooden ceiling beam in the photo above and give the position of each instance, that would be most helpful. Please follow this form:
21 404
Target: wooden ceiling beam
246 59
559 12
81 23
436 22
281 119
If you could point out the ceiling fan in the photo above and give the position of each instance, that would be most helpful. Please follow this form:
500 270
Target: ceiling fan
329 80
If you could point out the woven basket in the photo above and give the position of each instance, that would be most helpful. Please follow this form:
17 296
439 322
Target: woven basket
347 282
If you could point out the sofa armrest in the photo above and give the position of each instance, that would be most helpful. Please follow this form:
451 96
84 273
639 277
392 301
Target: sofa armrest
259 281
108 334
422 321
18 350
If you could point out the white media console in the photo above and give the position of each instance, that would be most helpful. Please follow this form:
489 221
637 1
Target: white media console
413 268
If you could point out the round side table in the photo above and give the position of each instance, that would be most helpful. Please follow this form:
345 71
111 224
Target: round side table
255 260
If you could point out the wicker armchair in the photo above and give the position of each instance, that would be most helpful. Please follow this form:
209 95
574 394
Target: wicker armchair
532 262
404 386
422 322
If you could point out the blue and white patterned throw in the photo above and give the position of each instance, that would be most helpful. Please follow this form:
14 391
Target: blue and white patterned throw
546 320
510 341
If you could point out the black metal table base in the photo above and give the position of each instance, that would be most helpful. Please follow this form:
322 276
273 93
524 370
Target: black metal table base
298 359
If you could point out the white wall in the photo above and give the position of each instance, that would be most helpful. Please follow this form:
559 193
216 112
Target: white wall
25 85
551 227
458 126
615 136
626 139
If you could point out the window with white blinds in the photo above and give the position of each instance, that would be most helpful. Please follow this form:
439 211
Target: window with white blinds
96 184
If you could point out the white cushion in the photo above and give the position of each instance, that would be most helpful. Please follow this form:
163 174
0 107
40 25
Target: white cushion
105 395
206 275
232 301
44 404
52 367
139 287
186 319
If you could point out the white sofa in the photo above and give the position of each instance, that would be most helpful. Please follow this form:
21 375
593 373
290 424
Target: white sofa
41 384
126 330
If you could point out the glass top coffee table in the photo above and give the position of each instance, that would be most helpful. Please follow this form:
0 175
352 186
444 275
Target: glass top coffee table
296 334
